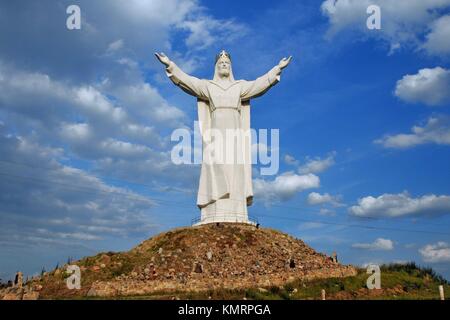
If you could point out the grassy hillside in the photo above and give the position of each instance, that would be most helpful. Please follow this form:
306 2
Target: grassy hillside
398 281
196 259
226 261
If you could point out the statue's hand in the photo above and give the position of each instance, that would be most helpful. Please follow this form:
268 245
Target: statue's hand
284 62
162 58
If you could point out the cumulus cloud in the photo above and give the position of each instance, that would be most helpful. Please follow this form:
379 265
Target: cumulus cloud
437 40
143 101
285 186
436 130
315 198
401 205
403 23
290 160
378 244
317 164
428 86
121 134
38 97
49 210
113 31
207 30
44 199
435 253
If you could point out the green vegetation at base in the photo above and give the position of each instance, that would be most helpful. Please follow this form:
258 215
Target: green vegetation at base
398 282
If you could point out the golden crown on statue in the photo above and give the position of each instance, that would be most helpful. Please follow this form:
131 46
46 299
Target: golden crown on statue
223 54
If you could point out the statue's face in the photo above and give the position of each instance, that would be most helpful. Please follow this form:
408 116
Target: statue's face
224 67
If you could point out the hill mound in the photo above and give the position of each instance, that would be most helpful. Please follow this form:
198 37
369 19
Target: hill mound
196 259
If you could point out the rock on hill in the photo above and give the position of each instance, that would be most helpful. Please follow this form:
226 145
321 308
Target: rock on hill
207 257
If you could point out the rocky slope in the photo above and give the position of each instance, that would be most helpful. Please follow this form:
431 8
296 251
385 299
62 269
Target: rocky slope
194 259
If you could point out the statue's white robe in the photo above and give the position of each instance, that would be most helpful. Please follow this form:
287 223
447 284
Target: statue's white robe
225 190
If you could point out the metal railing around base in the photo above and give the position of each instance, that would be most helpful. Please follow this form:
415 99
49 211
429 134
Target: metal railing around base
226 218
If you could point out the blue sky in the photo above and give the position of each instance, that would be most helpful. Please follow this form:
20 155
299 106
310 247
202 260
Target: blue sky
86 117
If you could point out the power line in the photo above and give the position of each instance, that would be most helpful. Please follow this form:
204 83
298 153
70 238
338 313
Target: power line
78 188
183 205
174 190
96 175
356 225
84 189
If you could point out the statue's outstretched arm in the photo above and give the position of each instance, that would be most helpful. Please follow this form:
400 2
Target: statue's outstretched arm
256 88
189 84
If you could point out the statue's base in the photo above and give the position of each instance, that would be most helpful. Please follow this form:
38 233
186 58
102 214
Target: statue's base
225 219
208 218
224 210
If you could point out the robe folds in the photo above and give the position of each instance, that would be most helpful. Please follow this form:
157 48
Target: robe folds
225 189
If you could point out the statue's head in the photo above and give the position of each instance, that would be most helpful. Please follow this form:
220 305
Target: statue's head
223 65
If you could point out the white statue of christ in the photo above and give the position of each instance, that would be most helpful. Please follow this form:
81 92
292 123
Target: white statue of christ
225 187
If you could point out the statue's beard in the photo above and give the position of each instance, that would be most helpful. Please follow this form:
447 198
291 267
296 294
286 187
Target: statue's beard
224 73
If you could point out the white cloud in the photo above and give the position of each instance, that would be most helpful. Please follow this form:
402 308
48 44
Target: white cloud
436 130
97 105
290 160
428 86
131 116
123 150
46 234
310 226
130 63
115 46
435 253
205 31
285 186
401 205
315 198
378 244
114 26
437 42
24 92
403 22
144 102
43 200
326 212
401 262
317 165
160 12
79 132
377 262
